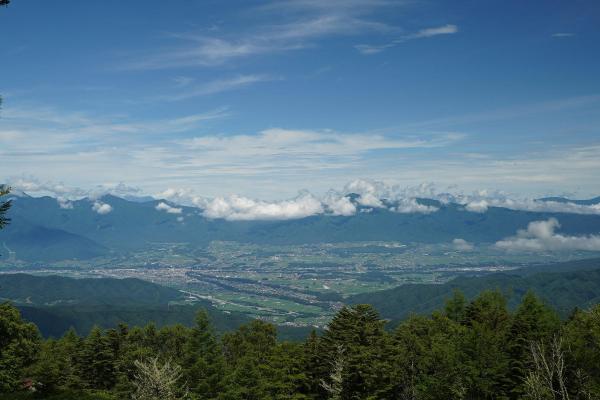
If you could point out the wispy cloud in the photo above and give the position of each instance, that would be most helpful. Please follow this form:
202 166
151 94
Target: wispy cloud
302 22
88 148
517 111
31 130
563 34
421 34
216 86
310 144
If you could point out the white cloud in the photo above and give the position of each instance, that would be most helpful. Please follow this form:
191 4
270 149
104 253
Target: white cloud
370 192
64 203
421 34
339 205
409 206
299 25
237 208
101 208
462 245
541 236
169 209
64 193
178 196
478 206
373 194
429 32
158 153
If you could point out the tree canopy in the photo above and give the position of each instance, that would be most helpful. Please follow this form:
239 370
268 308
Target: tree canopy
470 350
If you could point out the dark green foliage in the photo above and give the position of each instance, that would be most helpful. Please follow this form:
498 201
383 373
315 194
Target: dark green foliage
353 341
532 322
582 340
60 290
471 350
19 344
97 359
427 358
484 345
203 359
456 306
56 303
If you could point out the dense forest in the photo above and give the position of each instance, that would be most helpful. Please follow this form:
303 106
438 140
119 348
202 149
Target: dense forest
468 350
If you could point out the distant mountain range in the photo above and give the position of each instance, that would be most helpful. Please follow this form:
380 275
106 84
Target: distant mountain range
42 230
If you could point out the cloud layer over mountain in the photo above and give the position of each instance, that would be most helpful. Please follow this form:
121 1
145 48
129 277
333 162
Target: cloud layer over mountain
541 236
356 196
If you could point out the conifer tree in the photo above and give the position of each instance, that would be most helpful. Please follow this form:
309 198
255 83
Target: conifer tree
456 306
203 359
97 361
533 322
359 331
484 346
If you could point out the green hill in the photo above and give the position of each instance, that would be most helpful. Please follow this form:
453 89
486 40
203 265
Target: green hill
563 286
57 303
59 290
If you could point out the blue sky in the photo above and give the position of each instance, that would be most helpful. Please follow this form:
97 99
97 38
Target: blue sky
266 98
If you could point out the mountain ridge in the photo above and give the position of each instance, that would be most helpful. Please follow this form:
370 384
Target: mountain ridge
80 232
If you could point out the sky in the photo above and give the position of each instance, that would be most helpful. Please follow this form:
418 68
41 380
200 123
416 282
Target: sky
265 99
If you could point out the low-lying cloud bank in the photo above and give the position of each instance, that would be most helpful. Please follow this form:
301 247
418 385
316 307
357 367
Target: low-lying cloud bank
237 208
162 206
541 236
462 245
356 197
101 208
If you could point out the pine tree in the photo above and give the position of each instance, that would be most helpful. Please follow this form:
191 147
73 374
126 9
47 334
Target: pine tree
581 336
311 363
456 306
98 361
203 359
533 322
358 332
484 346
427 358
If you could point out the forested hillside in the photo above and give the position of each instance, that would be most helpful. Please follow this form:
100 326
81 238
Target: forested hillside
569 285
57 303
59 290
476 350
